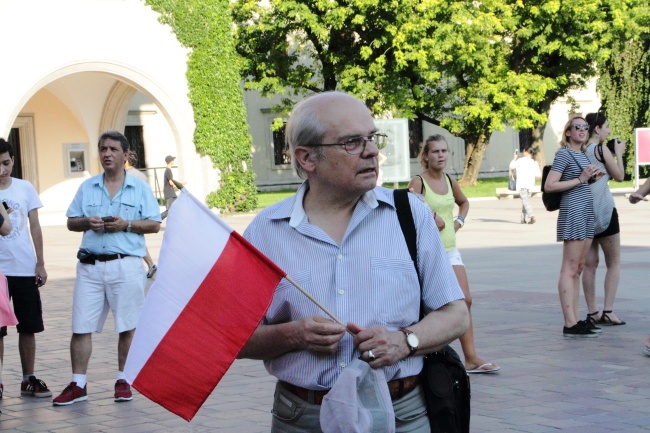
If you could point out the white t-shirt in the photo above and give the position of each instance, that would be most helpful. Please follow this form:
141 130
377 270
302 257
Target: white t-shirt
527 171
17 257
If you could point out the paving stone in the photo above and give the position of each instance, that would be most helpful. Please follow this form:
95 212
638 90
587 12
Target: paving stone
547 383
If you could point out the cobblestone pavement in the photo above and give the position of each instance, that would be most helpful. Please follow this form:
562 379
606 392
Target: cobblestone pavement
546 383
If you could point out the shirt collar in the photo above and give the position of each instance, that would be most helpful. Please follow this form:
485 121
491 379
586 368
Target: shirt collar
293 209
99 180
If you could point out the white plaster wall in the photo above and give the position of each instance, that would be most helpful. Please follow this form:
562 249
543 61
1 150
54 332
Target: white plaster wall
123 39
56 126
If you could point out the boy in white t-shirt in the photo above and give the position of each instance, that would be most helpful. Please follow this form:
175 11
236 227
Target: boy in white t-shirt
21 260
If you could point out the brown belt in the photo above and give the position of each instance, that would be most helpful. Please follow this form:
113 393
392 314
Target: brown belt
397 388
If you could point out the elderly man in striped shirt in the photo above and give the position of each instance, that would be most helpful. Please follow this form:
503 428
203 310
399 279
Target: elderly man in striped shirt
340 239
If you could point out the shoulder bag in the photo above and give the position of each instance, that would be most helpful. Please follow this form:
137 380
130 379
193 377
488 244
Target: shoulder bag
444 379
552 200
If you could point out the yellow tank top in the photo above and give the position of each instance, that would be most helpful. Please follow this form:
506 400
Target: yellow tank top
443 205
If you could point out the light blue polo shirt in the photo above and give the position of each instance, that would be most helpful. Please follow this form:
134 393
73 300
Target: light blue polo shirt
134 201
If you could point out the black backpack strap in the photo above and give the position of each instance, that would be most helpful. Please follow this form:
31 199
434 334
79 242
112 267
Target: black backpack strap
406 223
405 217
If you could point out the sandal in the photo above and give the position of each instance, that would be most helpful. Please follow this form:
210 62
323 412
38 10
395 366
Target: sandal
607 321
591 322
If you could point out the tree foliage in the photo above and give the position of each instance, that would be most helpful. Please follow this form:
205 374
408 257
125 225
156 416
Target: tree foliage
470 66
624 82
215 95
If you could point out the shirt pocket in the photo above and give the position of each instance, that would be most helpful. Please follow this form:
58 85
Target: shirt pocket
395 291
91 205
129 209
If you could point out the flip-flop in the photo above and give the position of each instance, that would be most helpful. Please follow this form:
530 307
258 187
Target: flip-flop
646 351
482 369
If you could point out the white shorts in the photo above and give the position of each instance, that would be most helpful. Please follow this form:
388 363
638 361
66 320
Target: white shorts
118 285
454 257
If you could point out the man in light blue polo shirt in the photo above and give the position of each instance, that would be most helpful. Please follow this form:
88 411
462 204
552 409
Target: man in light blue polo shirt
114 211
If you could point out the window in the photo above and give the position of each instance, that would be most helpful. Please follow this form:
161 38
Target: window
415 137
281 153
135 136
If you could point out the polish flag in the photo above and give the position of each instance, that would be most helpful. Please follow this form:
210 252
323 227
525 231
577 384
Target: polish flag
211 292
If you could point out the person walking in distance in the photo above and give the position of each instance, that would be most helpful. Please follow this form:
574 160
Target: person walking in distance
21 260
114 211
169 184
527 171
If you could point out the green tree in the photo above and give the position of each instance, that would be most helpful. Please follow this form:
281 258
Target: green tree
624 82
563 41
215 94
470 66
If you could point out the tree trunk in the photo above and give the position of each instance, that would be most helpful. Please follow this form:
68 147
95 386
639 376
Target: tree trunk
538 131
474 151
538 143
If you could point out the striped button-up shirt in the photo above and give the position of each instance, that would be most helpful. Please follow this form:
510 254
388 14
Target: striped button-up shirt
369 279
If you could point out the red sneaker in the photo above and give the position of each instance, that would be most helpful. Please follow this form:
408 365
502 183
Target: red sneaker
71 394
34 388
123 391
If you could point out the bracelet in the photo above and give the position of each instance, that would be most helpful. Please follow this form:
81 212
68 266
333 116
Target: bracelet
460 219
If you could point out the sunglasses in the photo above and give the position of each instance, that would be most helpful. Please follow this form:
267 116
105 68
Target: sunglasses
581 127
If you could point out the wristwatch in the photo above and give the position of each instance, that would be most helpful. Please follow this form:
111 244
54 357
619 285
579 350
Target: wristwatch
412 340
128 227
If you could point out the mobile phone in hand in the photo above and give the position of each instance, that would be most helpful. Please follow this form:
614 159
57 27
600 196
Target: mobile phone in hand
108 219
4 203
39 281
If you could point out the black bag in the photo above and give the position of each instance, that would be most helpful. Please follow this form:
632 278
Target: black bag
551 200
447 392
444 379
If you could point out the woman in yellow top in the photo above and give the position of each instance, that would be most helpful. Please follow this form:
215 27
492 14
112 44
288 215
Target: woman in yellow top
442 194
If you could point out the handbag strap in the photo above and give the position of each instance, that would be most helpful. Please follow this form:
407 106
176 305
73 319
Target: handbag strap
421 189
406 223
574 158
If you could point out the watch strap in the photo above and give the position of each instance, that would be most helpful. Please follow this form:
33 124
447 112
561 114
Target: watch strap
408 332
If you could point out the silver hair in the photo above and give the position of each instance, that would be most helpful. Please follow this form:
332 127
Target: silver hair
305 128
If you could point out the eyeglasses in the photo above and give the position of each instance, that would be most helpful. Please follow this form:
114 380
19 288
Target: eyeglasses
356 145
581 127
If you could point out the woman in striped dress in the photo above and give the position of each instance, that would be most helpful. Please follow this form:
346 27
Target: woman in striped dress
607 235
570 174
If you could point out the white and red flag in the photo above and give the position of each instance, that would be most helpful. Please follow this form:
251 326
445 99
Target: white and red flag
211 292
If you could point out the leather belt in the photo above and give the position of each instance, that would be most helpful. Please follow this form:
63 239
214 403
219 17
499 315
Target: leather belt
109 257
397 388
90 259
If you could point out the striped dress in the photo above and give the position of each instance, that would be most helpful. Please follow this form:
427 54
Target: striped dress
576 220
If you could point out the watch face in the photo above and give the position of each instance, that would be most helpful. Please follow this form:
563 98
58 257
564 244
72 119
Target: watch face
413 340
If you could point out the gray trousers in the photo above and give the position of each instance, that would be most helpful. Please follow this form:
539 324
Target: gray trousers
526 208
291 414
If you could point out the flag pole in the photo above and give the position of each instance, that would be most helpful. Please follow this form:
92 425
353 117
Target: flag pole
311 298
